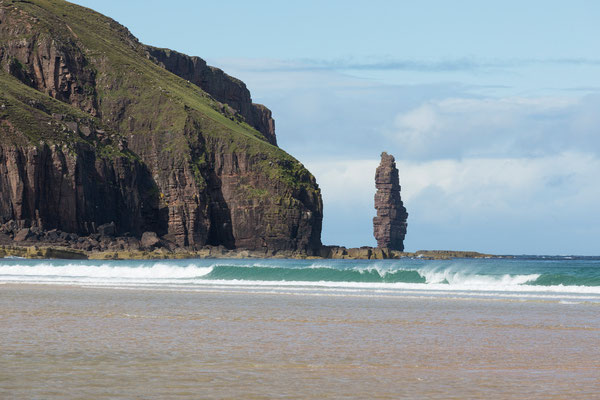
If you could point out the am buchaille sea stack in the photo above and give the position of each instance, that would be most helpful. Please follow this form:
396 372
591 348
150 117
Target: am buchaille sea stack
101 134
389 226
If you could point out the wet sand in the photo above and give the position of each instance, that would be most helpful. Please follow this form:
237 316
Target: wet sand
62 342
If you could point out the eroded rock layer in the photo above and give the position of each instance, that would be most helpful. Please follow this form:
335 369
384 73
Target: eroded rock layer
389 226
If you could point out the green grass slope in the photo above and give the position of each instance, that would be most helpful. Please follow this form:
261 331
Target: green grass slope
157 100
28 117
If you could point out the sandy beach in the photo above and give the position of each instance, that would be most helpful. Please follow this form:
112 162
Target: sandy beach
70 342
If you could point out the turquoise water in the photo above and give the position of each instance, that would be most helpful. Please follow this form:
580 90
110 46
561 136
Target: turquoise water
531 276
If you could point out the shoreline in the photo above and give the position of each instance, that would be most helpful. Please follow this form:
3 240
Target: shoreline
42 251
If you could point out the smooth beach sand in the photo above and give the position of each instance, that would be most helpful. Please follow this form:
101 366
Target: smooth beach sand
61 342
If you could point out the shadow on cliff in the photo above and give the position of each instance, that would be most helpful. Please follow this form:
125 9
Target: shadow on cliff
220 231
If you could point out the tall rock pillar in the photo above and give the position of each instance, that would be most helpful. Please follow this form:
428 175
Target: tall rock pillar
389 226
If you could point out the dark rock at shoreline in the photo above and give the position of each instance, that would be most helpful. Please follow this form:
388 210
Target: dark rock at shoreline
52 235
389 226
358 253
45 245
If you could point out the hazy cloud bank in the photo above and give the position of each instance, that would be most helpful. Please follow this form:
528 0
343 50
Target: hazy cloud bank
509 173
462 64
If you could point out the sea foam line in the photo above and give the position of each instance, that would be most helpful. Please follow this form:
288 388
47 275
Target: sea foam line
517 290
154 271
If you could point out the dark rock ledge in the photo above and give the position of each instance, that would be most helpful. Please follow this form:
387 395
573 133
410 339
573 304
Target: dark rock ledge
36 243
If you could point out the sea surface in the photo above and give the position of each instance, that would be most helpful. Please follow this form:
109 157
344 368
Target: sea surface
522 327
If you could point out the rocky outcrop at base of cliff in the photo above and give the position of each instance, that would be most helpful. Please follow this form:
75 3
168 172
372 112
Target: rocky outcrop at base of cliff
107 238
389 225
224 88
33 243
378 253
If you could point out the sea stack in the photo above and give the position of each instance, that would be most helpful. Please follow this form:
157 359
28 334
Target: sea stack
389 226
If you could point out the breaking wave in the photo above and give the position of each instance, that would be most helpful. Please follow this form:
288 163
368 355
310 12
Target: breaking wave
563 275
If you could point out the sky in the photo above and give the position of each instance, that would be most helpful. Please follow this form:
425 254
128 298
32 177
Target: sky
491 109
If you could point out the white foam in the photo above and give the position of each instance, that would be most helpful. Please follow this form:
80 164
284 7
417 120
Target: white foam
368 290
87 273
435 287
469 278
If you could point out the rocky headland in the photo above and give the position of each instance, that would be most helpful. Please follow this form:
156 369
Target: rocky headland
106 142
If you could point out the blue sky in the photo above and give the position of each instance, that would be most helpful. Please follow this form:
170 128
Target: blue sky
492 110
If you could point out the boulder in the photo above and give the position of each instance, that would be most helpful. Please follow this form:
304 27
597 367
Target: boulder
22 235
149 239
362 253
52 235
132 243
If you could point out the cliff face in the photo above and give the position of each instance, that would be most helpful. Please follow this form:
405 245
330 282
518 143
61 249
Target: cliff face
389 226
36 182
109 127
253 208
222 87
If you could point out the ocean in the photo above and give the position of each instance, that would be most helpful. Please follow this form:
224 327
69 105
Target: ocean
568 278
522 327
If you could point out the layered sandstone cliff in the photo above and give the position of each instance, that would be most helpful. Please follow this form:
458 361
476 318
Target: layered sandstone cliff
52 187
389 226
96 127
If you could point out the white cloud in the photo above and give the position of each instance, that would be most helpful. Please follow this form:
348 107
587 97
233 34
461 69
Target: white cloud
345 183
512 126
